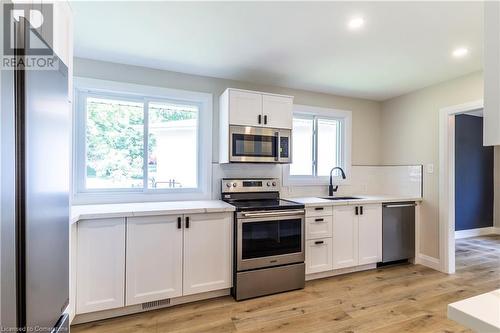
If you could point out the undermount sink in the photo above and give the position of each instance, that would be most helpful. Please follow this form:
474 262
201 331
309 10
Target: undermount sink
341 198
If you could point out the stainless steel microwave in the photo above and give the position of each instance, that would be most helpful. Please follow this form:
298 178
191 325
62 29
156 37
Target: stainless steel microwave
259 144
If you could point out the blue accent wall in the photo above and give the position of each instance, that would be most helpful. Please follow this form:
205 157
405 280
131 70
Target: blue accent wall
473 175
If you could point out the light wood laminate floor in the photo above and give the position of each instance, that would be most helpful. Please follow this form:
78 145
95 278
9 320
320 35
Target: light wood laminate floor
408 298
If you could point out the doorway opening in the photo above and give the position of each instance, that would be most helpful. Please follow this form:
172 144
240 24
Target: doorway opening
466 184
474 192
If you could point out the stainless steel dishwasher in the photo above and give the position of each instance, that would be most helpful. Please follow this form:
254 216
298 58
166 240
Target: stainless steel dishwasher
398 231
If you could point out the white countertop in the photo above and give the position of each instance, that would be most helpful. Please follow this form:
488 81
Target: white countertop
480 313
363 199
85 212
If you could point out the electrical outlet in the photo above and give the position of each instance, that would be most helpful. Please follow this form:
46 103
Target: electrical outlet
430 168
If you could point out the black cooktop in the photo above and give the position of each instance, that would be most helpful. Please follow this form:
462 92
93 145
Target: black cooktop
264 204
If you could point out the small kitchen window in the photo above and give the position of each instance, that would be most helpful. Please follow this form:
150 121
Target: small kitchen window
140 143
321 141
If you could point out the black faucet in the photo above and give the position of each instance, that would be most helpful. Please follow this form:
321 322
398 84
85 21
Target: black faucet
332 189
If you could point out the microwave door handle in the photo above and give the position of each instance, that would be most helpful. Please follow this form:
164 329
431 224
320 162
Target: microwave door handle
278 145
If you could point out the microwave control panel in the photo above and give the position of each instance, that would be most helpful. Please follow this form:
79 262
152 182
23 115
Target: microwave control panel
284 147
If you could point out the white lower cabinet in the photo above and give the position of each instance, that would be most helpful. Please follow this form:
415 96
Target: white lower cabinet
318 227
123 262
100 265
345 237
370 235
154 258
207 253
319 255
177 255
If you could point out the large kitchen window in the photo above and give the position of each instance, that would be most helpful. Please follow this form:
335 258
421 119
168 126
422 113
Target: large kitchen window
134 141
321 141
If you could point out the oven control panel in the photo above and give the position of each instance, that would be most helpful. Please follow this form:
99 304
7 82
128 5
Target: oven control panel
250 185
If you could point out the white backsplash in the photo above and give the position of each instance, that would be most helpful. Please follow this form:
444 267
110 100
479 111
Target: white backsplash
365 180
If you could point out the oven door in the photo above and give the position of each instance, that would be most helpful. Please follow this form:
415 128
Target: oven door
269 238
258 144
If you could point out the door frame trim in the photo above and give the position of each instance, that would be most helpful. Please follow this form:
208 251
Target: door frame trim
447 181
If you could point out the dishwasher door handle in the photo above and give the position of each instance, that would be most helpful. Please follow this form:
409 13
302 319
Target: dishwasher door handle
400 206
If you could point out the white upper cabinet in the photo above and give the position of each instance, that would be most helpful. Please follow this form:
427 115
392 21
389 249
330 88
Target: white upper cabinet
207 252
491 73
154 258
370 234
62 30
277 111
345 237
245 108
252 108
100 283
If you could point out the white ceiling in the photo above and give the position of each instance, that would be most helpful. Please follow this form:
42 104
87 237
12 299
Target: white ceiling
403 46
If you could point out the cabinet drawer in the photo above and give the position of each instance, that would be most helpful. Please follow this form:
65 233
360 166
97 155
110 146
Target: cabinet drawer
319 255
319 227
319 211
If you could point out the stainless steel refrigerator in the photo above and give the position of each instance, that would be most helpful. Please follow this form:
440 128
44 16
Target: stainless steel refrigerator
35 178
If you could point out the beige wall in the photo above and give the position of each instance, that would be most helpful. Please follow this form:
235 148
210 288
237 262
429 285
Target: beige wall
410 135
366 114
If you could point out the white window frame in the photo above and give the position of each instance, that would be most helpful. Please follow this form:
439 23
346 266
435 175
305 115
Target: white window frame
346 132
84 87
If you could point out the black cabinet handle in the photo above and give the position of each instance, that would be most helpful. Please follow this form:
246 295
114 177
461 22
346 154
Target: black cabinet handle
260 119
319 220
179 222
357 210
265 120
318 242
318 208
361 210
187 222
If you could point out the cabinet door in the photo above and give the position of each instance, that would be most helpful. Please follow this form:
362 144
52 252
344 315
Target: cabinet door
154 258
63 31
277 111
100 265
318 227
245 108
319 255
370 234
345 237
207 252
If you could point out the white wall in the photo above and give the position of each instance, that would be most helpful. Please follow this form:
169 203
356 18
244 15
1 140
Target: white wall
410 135
366 114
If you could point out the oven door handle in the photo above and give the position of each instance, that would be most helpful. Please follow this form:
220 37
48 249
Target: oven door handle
271 214
278 147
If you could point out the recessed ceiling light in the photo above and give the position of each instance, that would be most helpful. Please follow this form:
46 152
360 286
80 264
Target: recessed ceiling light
356 23
460 52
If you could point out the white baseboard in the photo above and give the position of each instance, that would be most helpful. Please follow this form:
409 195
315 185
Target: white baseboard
428 261
476 232
340 271
105 314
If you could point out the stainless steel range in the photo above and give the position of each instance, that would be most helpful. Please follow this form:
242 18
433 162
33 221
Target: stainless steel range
268 238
